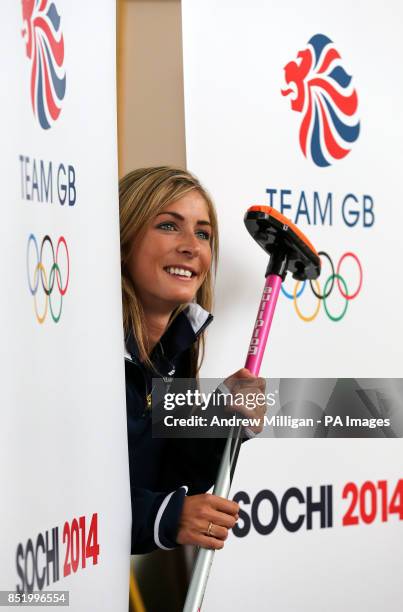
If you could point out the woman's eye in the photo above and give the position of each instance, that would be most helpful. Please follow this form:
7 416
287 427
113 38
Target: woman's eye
167 226
203 235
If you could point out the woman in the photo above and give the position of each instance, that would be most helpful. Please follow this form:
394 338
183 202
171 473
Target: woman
169 247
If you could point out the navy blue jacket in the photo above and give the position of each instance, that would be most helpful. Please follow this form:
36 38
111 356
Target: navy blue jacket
163 471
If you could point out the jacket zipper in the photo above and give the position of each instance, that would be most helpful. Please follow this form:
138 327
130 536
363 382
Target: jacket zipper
148 395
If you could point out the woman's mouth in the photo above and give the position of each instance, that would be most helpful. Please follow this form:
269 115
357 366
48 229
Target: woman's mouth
183 274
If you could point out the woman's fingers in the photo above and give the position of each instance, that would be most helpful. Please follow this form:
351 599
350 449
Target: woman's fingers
199 538
208 542
206 519
244 378
217 519
216 531
225 520
224 505
220 511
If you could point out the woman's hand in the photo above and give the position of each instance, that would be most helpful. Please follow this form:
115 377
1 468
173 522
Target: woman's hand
252 388
206 519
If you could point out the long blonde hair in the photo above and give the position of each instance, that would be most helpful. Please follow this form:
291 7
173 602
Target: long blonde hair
143 193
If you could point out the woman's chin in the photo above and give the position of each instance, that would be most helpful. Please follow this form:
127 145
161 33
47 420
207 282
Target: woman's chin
184 298
181 293
179 297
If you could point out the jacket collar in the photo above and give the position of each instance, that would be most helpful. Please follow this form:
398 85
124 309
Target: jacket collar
179 336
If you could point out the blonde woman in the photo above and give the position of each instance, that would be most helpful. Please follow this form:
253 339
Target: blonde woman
169 250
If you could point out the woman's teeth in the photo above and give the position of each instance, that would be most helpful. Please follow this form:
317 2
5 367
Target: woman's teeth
179 272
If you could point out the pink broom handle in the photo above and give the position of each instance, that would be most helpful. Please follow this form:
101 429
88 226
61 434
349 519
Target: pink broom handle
263 323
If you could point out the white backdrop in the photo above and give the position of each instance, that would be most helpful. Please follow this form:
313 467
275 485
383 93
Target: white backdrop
63 414
242 139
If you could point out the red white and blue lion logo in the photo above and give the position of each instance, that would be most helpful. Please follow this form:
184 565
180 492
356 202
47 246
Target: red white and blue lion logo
45 49
321 90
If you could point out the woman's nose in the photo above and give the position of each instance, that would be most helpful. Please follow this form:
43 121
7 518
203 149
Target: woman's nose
189 245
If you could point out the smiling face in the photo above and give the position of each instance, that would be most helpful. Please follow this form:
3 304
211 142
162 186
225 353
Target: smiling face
171 258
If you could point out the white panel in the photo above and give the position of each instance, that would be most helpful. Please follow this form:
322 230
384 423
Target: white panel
242 138
63 424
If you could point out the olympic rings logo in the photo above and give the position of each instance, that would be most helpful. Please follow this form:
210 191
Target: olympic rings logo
38 278
330 284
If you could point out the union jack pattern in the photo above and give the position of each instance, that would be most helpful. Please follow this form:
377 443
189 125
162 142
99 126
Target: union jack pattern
45 49
322 91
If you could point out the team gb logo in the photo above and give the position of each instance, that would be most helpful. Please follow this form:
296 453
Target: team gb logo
321 90
45 50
